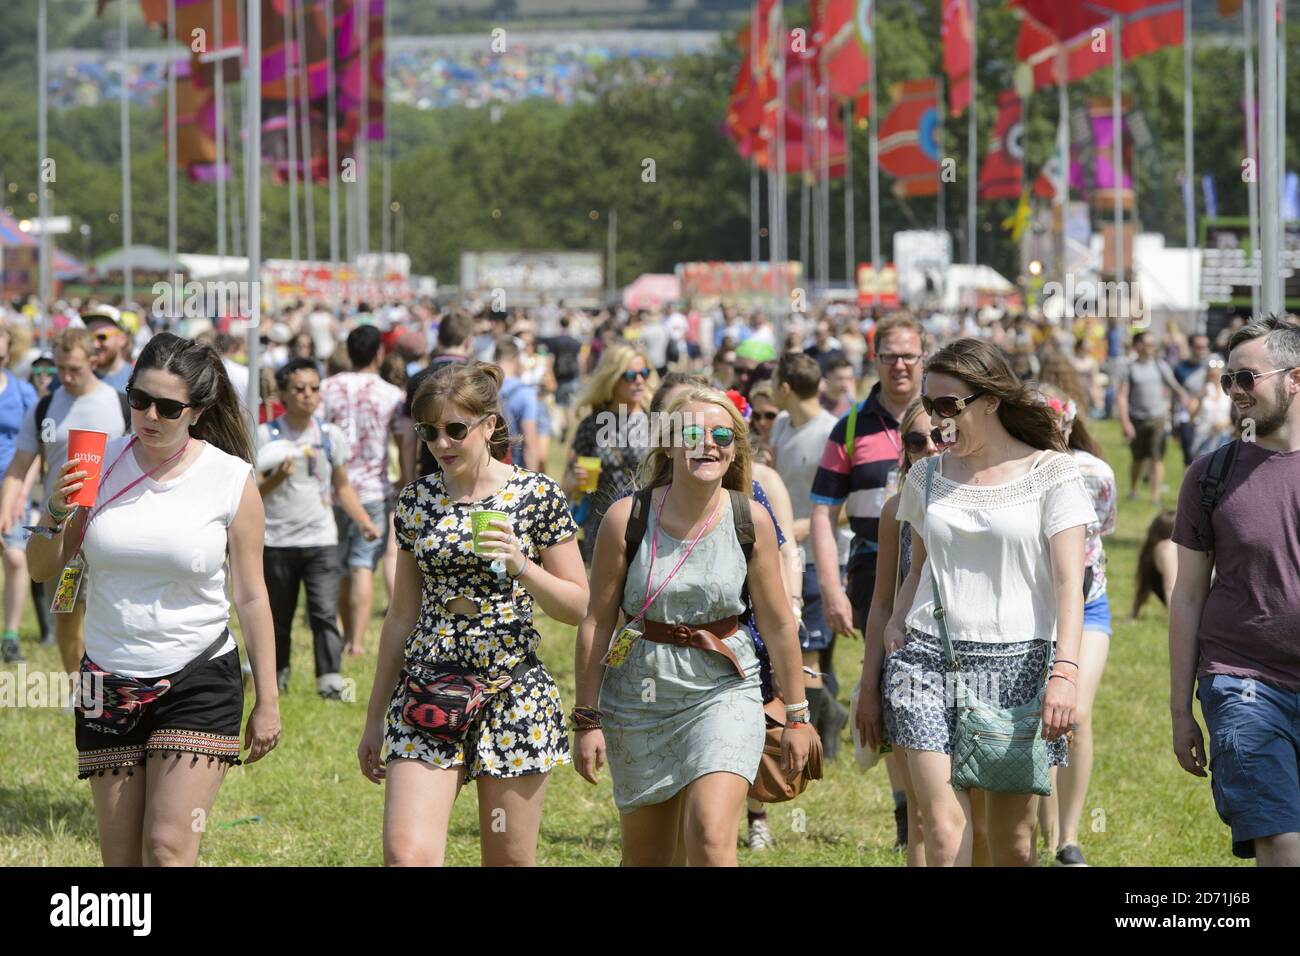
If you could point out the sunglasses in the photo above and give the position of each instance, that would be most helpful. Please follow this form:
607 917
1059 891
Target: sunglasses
948 406
102 337
692 435
631 376
456 431
43 370
766 416
168 408
916 442
1246 379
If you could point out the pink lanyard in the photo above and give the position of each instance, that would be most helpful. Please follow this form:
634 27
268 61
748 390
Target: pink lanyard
654 549
103 481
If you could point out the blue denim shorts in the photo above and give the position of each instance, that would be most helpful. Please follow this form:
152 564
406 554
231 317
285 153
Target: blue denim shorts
1254 731
354 550
1096 615
814 635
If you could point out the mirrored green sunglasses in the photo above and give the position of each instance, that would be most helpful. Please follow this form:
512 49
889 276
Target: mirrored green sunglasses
692 435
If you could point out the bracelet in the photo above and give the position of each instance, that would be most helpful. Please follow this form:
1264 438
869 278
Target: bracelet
585 718
59 516
522 569
1071 663
795 724
1062 677
791 708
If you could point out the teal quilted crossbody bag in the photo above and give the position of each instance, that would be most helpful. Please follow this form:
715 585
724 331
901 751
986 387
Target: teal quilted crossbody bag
1000 749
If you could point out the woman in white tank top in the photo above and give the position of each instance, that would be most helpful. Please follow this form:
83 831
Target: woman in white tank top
175 499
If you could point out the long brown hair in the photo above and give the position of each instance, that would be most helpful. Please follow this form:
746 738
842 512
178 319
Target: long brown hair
223 422
658 466
474 387
984 369
1160 529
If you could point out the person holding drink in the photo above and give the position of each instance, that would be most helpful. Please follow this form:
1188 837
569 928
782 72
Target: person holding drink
160 679
482 541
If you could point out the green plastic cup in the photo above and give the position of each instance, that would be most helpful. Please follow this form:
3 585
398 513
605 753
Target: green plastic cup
481 521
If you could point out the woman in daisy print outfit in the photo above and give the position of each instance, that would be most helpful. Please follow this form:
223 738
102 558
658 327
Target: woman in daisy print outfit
450 609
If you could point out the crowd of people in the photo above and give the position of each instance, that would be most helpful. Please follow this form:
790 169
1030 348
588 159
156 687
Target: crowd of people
712 503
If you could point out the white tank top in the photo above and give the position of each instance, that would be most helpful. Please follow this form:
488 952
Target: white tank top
155 585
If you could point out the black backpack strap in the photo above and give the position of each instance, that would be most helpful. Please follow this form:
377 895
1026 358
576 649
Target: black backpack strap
1214 482
637 522
743 519
126 413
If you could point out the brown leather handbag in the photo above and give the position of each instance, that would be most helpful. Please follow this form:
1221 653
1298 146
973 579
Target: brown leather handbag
770 784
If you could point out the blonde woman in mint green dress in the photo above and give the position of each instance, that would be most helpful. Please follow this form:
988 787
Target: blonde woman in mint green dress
682 727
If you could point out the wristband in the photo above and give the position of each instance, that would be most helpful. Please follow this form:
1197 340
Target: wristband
794 724
522 568
802 705
1062 677
1061 661
56 514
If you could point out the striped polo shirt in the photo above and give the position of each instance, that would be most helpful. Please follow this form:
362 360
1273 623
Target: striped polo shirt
862 483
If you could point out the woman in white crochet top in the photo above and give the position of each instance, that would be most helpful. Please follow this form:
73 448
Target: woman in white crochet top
1004 531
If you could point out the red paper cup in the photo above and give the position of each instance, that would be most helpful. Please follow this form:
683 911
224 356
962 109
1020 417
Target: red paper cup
87 448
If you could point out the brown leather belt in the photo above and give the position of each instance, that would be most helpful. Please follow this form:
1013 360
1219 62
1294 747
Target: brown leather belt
706 637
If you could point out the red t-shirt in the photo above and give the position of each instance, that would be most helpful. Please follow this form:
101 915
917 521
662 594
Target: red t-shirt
1250 626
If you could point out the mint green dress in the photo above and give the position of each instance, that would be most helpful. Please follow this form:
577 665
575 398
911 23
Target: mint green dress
672 714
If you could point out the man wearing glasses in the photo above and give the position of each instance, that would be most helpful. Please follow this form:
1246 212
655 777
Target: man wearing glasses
862 482
110 340
1233 623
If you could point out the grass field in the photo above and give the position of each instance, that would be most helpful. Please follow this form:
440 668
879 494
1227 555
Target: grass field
317 809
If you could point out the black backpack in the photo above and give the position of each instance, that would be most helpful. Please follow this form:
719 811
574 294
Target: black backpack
1214 482
639 519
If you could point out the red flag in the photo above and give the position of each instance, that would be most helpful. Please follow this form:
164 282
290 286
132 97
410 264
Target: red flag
800 123
1049 178
909 149
1001 177
956 33
750 93
846 26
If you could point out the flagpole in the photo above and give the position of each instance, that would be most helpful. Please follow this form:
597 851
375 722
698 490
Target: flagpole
128 292
849 240
43 189
1189 173
754 211
290 129
385 148
332 146
1063 140
304 117
805 257
782 216
825 125
755 205
233 145
940 213
253 124
219 96
972 160
363 135
172 159
874 161
1117 139
1252 184
1271 194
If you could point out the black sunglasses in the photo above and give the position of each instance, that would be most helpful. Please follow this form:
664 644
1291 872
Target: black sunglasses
631 376
767 416
456 431
948 406
168 408
692 435
916 442
1246 379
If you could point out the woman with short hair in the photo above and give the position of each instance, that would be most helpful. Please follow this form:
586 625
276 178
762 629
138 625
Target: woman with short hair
175 500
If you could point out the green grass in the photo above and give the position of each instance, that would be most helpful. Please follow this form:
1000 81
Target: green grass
316 808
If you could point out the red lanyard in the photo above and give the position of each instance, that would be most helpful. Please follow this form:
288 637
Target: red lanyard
654 549
103 481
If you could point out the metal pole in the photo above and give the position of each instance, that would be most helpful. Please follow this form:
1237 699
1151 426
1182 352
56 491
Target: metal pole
1117 139
1063 142
1270 198
238 194
611 252
805 187
755 211
972 131
172 159
849 254
1252 184
128 291
253 123
1189 172
291 130
783 247
42 188
939 211
304 117
219 91
873 160
363 135
386 145
331 122
824 125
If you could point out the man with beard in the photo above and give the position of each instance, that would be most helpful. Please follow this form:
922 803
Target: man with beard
1233 624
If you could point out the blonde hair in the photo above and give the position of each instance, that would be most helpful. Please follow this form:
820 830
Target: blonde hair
658 466
600 388
20 340
764 390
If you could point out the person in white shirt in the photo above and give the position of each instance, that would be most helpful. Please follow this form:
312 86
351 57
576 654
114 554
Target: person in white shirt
368 410
174 501
1003 534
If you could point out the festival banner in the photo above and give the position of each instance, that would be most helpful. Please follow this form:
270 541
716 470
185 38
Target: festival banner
1002 173
956 35
909 148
